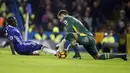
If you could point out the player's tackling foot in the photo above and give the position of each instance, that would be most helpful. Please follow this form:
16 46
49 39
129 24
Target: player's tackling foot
76 57
124 57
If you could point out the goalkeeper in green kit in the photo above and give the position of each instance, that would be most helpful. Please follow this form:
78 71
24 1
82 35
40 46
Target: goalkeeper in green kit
77 33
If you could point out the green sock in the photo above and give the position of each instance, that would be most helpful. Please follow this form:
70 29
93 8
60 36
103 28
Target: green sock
105 56
76 50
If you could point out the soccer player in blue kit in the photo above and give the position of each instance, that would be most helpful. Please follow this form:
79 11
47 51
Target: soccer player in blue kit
19 45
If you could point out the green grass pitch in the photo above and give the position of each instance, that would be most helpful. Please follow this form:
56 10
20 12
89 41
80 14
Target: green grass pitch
50 64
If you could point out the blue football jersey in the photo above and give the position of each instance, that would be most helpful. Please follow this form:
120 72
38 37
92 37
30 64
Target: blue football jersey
14 35
21 46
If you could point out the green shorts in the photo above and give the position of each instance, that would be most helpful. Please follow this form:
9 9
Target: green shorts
89 44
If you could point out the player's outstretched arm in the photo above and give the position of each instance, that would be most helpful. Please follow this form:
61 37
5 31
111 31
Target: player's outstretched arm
69 36
61 45
12 48
68 47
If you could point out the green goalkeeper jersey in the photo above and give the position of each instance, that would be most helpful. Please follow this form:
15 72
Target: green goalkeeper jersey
74 25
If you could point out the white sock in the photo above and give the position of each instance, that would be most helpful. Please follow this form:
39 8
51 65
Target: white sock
49 51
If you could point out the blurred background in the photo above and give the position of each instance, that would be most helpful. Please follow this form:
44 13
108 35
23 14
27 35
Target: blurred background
108 20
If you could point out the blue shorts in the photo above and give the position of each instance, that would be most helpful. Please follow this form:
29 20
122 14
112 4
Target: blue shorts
27 47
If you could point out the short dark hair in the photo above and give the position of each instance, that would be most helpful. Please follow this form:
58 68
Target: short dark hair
62 12
11 21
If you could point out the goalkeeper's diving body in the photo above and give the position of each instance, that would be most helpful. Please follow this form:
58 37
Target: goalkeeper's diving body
19 45
77 33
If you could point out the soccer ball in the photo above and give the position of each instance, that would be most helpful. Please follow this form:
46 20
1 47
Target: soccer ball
62 55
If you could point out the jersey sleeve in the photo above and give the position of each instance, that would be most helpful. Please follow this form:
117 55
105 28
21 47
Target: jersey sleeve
68 29
64 20
10 34
10 38
68 24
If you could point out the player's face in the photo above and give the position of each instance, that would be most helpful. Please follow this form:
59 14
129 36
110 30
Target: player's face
14 22
61 16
